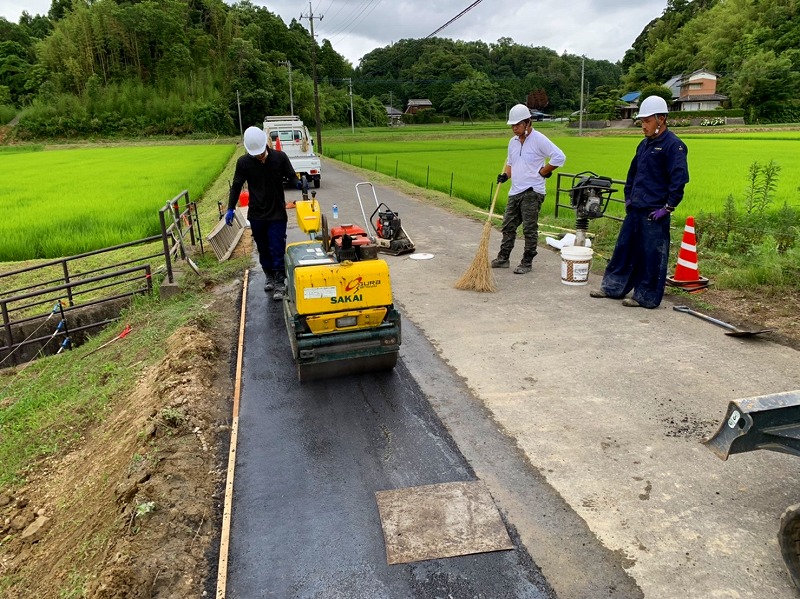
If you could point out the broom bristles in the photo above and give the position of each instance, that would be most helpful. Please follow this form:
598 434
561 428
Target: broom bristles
479 277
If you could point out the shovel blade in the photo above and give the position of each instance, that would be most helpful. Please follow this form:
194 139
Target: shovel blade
747 333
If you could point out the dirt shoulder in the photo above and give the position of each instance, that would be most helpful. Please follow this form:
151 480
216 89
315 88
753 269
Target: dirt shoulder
750 310
133 508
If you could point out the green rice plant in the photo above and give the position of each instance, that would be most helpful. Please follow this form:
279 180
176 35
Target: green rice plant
718 164
68 202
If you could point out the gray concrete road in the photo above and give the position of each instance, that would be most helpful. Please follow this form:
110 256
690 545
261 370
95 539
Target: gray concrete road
607 404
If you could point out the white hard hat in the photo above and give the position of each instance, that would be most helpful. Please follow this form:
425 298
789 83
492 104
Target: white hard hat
518 113
653 105
255 141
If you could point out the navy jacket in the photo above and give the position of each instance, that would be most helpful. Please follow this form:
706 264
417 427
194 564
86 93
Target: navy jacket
658 173
265 184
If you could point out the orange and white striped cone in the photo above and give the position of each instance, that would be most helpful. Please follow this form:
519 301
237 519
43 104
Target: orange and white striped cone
687 270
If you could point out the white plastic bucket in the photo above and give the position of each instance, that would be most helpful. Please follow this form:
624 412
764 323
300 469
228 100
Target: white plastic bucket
575 264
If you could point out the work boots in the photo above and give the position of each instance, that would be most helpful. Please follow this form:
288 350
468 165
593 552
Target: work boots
523 268
280 287
270 284
500 262
525 264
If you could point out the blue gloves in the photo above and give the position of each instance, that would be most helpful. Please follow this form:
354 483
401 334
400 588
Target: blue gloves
502 178
229 217
658 214
298 184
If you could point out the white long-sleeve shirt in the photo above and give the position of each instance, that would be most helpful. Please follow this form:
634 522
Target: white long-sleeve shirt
526 160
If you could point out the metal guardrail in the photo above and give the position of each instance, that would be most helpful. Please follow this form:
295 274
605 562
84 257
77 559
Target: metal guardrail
71 289
174 229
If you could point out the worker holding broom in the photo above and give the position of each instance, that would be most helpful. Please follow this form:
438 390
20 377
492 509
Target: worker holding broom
654 187
532 158
264 170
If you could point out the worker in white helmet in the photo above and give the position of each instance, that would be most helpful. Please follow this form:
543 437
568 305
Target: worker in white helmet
532 158
653 189
264 170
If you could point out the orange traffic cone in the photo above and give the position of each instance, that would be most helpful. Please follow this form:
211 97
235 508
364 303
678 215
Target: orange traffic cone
278 143
687 270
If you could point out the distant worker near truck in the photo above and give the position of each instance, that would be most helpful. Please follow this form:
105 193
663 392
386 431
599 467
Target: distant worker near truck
264 170
653 189
532 158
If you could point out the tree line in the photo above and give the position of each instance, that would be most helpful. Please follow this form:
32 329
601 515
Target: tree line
165 67
183 66
145 67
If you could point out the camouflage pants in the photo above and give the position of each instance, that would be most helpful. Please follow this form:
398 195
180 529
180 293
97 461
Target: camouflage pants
522 208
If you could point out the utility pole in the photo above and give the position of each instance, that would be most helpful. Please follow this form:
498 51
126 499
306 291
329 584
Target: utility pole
580 114
288 63
352 121
239 108
310 16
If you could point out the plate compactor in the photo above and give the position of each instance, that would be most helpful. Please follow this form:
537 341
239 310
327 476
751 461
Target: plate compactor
390 237
338 307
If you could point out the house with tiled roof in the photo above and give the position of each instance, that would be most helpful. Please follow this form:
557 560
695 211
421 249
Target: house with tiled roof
698 91
627 110
415 105
394 116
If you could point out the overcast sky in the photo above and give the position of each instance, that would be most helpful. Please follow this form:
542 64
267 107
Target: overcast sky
599 29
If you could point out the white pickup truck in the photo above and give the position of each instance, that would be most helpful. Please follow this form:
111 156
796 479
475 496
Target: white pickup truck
297 143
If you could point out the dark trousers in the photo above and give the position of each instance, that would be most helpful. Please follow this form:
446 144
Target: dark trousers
640 259
270 239
522 208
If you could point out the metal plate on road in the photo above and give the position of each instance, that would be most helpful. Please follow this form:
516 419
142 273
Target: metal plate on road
437 521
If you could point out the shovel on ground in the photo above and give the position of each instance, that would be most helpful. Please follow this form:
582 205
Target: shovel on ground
732 330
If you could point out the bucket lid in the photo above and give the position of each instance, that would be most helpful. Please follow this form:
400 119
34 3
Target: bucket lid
577 251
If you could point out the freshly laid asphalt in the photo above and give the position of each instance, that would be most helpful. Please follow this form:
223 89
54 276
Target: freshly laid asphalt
582 417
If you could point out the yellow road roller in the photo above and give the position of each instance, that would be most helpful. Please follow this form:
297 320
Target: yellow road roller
338 304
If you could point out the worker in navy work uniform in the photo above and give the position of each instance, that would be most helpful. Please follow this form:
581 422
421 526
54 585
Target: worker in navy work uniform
653 189
532 158
264 170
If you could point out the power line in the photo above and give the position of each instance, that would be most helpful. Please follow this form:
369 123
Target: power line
359 20
455 18
357 14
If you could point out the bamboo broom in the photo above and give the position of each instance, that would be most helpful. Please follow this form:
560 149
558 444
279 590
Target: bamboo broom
479 277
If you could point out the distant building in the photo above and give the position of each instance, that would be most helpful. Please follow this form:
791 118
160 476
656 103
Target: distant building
674 85
698 91
394 116
414 106
631 106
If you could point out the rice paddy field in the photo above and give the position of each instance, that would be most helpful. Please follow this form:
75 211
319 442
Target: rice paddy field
466 166
66 202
